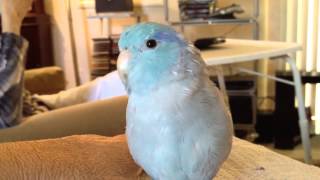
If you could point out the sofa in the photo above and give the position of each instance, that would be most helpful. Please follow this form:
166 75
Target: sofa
85 156
105 117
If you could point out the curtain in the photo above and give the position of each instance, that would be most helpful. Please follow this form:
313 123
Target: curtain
303 26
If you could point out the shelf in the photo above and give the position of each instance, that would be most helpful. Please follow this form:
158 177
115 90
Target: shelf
114 15
214 21
251 20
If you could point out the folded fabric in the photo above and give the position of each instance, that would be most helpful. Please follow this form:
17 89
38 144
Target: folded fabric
12 53
104 87
32 106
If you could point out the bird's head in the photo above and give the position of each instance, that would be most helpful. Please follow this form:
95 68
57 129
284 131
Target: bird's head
149 53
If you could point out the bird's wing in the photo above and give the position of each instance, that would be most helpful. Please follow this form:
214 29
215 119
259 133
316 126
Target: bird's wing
207 134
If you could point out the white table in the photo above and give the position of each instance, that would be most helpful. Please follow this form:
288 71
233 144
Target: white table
237 51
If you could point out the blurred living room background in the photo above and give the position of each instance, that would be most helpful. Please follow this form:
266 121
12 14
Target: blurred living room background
72 35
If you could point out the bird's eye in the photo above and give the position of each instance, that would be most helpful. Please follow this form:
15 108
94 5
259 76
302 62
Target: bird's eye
151 43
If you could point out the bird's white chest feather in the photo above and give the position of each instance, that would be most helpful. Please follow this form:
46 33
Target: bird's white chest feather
151 129
152 116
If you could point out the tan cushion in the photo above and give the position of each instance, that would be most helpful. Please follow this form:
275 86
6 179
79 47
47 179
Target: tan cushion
47 80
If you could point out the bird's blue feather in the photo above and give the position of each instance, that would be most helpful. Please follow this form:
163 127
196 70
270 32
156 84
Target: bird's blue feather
148 67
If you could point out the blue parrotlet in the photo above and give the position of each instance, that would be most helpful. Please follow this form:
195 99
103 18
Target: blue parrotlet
178 126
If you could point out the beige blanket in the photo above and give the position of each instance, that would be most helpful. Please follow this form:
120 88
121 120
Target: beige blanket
250 161
246 161
97 157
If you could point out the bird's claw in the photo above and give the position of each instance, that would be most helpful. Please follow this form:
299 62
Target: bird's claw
142 175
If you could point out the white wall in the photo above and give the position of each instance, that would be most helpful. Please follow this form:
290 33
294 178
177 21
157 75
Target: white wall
80 25
62 47
61 38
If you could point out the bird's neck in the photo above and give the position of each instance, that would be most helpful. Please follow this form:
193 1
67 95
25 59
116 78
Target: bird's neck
172 85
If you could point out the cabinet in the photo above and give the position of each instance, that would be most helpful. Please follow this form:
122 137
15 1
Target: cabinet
36 29
241 91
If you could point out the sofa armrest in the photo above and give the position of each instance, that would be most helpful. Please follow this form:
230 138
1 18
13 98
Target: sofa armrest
105 117
46 80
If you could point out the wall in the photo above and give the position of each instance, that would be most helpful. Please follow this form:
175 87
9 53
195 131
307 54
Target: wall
61 38
62 44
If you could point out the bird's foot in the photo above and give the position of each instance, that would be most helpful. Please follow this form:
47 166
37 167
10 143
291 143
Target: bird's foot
142 175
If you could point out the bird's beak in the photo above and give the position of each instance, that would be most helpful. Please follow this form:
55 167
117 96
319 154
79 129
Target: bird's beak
122 65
